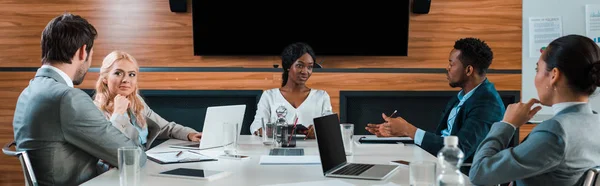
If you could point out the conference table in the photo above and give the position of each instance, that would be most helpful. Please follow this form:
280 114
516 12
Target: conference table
251 172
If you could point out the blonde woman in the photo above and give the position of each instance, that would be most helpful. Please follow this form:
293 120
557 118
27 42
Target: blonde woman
117 95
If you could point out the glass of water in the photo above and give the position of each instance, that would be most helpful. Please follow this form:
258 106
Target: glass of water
230 135
422 173
267 132
347 135
129 165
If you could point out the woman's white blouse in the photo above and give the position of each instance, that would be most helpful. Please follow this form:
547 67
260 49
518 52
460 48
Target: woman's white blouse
315 105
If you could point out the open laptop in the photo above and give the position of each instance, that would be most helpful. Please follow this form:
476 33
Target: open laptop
333 157
212 131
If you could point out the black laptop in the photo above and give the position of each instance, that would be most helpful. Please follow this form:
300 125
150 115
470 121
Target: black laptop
333 157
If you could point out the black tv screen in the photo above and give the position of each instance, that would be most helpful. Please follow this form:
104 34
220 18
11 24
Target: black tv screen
334 28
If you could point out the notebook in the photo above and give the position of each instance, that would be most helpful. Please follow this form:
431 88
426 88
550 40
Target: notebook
184 157
386 140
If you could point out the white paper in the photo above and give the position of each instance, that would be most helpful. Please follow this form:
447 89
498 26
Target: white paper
542 31
289 160
210 177
592 22
335 182
172 156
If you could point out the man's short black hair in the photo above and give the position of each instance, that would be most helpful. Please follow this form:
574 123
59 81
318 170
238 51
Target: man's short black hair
64 35
476 53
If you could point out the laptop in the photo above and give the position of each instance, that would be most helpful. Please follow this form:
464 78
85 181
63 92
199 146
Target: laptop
333 157
212 131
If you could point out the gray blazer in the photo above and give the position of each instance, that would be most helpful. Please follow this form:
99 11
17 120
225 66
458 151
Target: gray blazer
158 127
557 152
63 131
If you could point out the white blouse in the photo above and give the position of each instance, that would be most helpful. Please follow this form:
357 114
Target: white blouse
315 105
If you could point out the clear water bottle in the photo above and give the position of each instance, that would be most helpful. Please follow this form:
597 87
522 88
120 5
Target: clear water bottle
280 126
450 158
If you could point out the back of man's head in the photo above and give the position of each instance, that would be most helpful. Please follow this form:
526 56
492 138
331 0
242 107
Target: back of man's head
476 53
63 36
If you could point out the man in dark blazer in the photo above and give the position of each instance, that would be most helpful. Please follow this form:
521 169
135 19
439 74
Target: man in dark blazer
469 115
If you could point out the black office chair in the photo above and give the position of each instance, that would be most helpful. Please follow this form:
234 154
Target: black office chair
25 163
590 178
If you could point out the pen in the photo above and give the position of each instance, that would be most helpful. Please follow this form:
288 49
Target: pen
293 129
180 152
392 115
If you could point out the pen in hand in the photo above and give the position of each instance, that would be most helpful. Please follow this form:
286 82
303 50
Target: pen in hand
392 115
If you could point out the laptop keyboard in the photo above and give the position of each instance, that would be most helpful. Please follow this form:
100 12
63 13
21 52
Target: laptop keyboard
353 169
287 152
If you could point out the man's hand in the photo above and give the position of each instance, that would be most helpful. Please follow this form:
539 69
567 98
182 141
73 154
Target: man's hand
392 127
194 136
378 129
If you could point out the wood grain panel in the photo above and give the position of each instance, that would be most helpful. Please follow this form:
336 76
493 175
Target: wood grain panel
157 37
524 130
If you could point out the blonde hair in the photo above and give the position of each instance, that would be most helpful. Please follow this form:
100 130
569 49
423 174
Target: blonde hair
103 98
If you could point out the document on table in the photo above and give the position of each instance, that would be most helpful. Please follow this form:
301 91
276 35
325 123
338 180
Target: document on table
184 157
289 160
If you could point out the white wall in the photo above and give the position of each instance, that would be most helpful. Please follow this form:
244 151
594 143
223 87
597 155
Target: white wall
573 22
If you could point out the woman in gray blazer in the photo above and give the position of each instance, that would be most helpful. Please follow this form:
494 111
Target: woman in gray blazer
117 95
558 151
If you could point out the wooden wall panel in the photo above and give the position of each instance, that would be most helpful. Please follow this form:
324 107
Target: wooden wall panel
524 130
157 37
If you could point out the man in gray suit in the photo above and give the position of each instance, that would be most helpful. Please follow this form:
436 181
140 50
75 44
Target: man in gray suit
59 126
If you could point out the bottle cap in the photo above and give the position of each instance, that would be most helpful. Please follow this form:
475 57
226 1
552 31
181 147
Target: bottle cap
451 140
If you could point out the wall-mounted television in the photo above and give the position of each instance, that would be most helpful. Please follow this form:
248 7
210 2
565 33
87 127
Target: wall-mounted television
332 28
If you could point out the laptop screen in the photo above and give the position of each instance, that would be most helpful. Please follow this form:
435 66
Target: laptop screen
329 139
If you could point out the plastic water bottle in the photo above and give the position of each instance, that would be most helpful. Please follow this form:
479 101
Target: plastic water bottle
450 158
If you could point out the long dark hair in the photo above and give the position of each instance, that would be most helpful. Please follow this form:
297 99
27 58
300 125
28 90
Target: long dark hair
578 58
290 54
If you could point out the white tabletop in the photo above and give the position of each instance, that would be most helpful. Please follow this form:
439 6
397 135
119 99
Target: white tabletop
250 172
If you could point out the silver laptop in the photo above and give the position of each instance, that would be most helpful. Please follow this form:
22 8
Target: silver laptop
212 131
333 157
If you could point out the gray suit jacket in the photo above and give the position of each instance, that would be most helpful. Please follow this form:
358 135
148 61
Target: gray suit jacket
158 127
557 152
63 131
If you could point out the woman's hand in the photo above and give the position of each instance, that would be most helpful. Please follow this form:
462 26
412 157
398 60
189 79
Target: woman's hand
310 133
518 114
120 103
258 132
